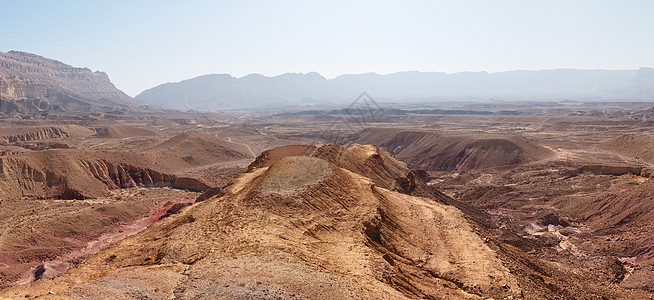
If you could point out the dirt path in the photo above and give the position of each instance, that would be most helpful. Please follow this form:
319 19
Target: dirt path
243 144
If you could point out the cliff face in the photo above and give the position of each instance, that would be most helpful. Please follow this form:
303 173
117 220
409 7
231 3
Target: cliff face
39 133
30 84
71 174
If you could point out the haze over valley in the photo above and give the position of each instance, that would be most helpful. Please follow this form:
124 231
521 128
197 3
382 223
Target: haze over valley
530 180
220 91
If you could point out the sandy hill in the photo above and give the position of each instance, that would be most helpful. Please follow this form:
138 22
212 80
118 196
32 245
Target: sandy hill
195 148
123 131
372 162
279 233
366 160
423 150
200 155
204 142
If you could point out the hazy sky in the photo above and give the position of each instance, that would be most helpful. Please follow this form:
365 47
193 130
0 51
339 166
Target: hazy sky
141 44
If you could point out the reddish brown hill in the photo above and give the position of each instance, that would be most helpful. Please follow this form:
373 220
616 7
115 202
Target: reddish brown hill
423 150
41 235
329 233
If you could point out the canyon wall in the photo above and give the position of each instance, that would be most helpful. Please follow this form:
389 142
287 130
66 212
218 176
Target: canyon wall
59 174
30 84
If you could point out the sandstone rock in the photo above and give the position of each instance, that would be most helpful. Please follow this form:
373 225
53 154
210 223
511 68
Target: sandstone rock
31 84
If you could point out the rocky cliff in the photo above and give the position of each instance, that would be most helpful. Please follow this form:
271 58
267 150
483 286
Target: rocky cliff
37 133
31 84
74 174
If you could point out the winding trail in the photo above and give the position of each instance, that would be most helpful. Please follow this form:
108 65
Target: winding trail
229 139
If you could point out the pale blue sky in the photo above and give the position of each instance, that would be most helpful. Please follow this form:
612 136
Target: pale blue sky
141 44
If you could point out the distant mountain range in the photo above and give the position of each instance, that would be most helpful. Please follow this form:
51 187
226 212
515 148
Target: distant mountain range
221 91
33 85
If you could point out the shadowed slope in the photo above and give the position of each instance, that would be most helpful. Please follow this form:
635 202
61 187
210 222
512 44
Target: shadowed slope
454 152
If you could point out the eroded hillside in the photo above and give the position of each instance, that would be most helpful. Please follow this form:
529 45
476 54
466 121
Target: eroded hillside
331 233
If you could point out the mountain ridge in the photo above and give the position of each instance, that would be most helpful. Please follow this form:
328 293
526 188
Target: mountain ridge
34 85
213 92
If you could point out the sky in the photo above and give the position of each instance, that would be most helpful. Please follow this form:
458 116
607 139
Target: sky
141 44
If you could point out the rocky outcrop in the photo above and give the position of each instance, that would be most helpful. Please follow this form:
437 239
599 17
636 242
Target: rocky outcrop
122 176
31 84
58 174
614 170
22 179
40 133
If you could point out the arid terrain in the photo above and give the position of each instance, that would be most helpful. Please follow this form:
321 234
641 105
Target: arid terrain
417 206
102 197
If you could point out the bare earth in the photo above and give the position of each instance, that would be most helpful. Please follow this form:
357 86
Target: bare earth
413 206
